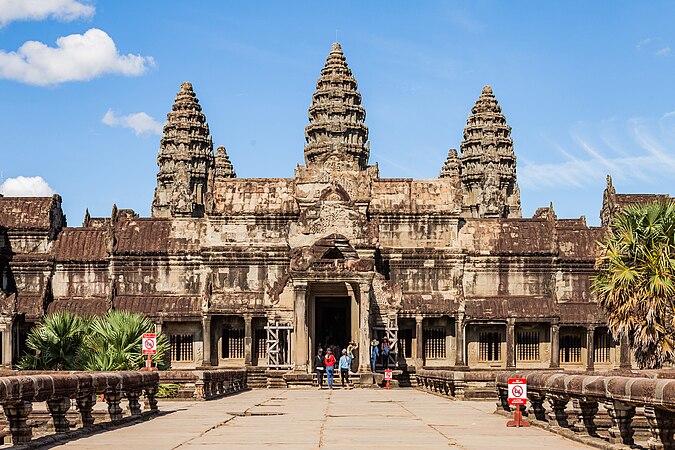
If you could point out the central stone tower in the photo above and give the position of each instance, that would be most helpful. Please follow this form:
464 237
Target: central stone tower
336 127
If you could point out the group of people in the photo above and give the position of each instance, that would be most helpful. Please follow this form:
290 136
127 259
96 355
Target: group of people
325 362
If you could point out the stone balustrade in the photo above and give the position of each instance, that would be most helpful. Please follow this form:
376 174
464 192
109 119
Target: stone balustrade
456 383
623 397
206 384
17 394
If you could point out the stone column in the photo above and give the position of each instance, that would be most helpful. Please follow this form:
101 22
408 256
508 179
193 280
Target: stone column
364 328
158 327
7 346
510 343
621 414
590 350
555 346
58 408
17 416
661 426
459 340
248 339
419 342
300 342
206 339
624 353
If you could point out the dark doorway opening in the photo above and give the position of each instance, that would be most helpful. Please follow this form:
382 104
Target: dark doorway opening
332 321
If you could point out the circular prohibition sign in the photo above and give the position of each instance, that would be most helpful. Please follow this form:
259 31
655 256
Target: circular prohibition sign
149 343
517 391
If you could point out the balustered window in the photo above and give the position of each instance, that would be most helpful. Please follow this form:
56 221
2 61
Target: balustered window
182 347
405 342
434 343
570 348
233 343
527 345
602 344
260 350
489 345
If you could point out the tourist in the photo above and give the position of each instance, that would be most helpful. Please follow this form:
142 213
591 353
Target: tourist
385 353
374 353
345 363
319 367
329 363
350 351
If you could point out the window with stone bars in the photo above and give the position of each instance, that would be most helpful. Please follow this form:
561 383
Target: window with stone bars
489 345
570 348
602 344
260 344
434 343
527 346
405 342
182 346
233 343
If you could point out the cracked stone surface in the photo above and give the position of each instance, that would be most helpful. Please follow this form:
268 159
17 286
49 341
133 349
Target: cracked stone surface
310 419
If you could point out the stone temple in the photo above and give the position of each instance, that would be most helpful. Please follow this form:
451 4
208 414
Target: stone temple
260 271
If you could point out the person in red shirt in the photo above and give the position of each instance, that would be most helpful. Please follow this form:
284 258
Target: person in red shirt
329 362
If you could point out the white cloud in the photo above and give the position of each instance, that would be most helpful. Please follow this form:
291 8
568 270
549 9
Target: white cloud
665 51
26 187
66 10
140 122
646 156
76 57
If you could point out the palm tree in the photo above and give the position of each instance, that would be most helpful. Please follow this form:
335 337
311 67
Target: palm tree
114 342
56 344
635 281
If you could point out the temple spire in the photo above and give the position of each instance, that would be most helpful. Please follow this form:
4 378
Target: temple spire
336 129
185 158
488 163
224 168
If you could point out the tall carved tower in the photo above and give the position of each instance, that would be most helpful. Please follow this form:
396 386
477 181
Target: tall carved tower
488 163
336 129
186 161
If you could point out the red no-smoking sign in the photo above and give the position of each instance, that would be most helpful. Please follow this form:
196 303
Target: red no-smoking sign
149 344
517 391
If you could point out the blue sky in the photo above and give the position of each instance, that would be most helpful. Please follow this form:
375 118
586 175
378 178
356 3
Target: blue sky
586 86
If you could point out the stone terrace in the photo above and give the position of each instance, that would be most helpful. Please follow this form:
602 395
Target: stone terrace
308 419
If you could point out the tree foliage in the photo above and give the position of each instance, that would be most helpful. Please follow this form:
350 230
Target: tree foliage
64 341
635 281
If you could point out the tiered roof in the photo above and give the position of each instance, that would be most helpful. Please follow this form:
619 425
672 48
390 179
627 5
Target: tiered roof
336 116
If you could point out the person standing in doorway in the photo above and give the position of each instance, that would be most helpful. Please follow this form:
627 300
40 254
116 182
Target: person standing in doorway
350 351
319 367
385 353
374 353
329 363
345 363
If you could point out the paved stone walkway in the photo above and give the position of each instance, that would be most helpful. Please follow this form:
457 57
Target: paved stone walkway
341 419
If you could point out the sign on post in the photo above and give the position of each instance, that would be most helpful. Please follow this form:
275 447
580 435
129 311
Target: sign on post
149 344
388 375
517 391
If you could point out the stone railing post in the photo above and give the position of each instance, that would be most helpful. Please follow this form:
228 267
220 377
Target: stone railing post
557 416
17 416
537 402
113 397
150 393
661 426
621 414
85 403
134 404
58 408
586 412
503 402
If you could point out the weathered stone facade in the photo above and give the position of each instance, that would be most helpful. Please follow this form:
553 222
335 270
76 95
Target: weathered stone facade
260 271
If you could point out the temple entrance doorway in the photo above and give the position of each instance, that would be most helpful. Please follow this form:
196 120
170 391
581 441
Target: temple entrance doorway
332 321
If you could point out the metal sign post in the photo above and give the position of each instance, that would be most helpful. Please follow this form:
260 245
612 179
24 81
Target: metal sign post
149 347
518 397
